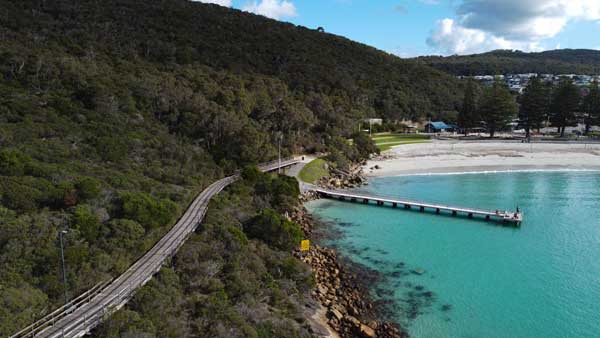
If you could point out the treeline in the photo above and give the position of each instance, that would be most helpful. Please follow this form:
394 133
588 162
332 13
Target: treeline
562 61
562 105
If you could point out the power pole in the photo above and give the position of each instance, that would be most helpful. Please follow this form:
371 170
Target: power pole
64 270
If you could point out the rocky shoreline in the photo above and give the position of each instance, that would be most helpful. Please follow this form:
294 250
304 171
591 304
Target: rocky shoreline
342 289
342 179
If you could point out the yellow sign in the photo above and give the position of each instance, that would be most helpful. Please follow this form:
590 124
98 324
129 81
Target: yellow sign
305 245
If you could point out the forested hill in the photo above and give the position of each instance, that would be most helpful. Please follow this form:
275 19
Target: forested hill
115 113
173 33
562 61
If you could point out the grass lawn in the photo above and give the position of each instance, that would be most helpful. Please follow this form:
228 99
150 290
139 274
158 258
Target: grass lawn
385 141
313 171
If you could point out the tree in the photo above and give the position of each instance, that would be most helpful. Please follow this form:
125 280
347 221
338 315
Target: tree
468 117
274 230
565 101
497 108
87 223
591 107
534 105
146 210
88 188
364 145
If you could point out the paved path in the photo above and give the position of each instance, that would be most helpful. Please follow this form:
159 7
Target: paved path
85 314
294 170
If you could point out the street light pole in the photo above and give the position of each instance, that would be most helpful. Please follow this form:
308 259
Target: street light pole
279 152
64 270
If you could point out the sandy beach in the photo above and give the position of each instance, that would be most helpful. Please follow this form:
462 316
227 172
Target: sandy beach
440 157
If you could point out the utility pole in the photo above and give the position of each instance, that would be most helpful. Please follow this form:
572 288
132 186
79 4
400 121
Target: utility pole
64 270
279 138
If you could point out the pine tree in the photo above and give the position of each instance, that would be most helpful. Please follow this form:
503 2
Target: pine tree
591 107
468 117
534 105
565 102
498 107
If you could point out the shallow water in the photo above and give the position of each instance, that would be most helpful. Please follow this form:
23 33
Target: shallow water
482 279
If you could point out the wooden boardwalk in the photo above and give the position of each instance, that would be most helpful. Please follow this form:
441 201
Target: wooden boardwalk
511 217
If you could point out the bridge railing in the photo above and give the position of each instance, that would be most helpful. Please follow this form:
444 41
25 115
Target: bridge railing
138 274
410 201
61 312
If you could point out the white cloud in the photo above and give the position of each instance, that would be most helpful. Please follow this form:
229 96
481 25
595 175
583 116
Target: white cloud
482 25
226 3
430 2
275 9
452 38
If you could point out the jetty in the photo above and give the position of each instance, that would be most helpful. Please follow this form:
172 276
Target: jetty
510 217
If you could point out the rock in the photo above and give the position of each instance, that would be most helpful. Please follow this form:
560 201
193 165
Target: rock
367 331
418 271
353 321
336 313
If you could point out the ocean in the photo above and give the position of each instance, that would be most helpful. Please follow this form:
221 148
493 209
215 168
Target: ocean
457 277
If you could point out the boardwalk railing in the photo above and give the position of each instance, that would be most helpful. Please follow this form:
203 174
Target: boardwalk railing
83 313
514 217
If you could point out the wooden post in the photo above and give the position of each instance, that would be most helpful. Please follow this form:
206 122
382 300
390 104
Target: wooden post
454 213
470 215
422 209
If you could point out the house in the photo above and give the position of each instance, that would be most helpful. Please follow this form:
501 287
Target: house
437 127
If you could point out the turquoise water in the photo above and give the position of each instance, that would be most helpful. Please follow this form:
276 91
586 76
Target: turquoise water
540 280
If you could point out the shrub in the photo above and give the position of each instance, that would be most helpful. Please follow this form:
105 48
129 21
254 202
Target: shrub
12 162
146 210
274 230
87 223
88 188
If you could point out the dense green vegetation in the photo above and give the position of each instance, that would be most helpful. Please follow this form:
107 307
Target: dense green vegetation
114 115
229 279
534 105
562 105
562 61
497 107
313 171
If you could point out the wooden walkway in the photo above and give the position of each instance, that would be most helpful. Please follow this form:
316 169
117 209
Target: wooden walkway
511 217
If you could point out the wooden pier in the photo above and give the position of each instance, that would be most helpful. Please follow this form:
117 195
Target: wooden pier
512 217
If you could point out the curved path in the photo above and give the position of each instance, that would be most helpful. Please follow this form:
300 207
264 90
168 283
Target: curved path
86 311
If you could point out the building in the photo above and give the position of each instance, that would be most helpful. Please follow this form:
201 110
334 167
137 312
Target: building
437 127
374 122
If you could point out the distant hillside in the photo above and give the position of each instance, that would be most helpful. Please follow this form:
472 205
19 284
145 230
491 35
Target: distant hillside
562 61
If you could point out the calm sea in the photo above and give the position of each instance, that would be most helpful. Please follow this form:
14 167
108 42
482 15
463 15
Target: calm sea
478 279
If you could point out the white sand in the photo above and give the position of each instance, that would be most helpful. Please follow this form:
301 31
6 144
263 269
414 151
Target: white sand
454 156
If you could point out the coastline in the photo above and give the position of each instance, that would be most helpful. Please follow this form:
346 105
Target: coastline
436 158
342 290
446 157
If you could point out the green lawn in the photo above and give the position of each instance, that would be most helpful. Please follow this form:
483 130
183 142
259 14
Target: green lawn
385 141
313 171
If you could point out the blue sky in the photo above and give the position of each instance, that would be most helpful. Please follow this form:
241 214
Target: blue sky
422 27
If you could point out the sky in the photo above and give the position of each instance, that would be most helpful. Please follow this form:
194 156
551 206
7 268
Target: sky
411 28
